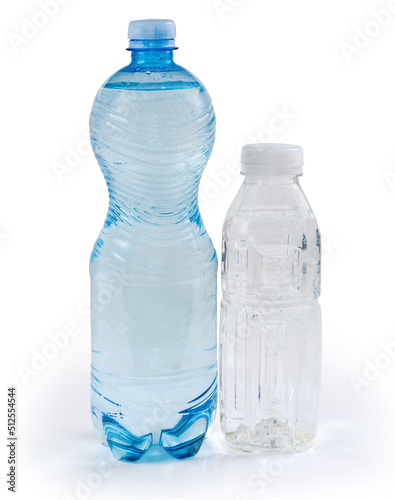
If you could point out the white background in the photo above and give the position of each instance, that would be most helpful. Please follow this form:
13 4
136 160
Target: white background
308 59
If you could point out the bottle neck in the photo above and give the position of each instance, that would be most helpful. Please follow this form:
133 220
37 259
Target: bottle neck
274 180
151 57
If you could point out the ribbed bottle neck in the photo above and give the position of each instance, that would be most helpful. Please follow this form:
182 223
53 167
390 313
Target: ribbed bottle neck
155 57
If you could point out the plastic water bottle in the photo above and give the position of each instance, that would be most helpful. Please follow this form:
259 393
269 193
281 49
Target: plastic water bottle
270 334
153 267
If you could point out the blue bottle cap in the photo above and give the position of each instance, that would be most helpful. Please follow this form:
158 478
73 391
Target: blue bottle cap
152 33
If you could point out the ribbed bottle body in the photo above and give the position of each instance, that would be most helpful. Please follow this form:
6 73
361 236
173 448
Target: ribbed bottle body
153 267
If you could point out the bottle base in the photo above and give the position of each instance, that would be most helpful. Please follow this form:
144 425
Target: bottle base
268 437
182 441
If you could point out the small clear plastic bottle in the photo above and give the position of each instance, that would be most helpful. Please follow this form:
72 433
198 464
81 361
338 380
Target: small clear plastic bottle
270 332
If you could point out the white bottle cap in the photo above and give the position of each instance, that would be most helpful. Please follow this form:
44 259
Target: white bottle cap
271 159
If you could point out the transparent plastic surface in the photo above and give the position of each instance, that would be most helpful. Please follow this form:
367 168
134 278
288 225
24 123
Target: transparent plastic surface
270 330
153 267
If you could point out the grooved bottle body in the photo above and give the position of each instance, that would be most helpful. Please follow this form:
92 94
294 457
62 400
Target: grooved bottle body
153 267
270 331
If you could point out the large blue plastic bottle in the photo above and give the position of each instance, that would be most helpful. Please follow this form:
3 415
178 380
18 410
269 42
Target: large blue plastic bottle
153 267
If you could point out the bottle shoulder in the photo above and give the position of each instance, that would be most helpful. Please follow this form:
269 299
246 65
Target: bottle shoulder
156 100
266 203
169 76
271 244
